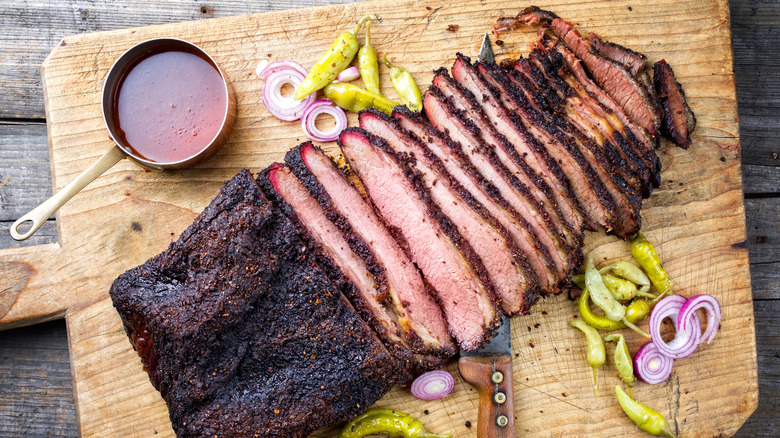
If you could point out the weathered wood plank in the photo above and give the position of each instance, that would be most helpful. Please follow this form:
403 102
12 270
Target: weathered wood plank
32 29
756 41
763 229
35 382
764 180
765 421
25 174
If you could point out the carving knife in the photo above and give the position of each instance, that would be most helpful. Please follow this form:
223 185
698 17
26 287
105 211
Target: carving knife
489 369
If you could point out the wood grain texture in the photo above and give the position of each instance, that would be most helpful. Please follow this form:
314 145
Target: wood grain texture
764 244
210 181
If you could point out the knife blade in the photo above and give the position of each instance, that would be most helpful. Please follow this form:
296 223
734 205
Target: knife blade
489 369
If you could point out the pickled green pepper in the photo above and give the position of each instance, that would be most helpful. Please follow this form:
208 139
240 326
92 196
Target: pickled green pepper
368 65
631 272
353 98
623 361
338 57
644 253
595 354
613 310
404 85
647 419
387 422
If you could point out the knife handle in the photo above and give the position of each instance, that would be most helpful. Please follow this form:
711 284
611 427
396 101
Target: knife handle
492 376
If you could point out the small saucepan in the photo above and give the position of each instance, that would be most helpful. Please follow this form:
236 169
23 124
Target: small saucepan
166 104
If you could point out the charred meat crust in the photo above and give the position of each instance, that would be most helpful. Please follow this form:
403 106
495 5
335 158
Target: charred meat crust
521 228
679 120
443 224
423 157
205 303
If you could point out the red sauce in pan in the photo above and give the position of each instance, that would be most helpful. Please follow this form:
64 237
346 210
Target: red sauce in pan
169 105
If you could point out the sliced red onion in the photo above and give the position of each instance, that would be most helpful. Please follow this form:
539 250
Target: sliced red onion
684 342
284 107
280 65
323 106
348 74
711 308
433 385
652 366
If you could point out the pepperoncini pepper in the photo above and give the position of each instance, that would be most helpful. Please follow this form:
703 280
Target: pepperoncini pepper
353 98
644 253
595 353
613 310
338 57
387 422
629 271
404 85
623 361
647 419
368 65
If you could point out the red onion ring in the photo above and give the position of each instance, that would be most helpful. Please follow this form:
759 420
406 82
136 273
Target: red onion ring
711 308
652 366
281 65
348 74
433 385
284 107
323 106
684 342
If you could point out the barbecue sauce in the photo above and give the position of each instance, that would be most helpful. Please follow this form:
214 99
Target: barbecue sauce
169 105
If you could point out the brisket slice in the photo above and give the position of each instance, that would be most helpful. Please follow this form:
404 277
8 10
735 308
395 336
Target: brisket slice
445 117
442 254
366 291
565 239
679 121
589 191
418 315
504 262
633 61
453 158
243 333
613 77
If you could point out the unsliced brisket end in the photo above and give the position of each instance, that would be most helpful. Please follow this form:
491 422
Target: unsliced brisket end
633 61
445 258
679 120
590 192
504 262
446 118
455 161
419 316
366 291
243 333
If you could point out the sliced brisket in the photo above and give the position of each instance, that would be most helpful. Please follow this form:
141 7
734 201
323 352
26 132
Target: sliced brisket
679 121
367 292
458 165
415 310
504 262
436 246
241 331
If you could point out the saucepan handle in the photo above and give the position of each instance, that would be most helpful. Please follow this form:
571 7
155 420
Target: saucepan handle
41 213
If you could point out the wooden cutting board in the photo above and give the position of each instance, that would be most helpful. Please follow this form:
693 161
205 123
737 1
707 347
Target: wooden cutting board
696 218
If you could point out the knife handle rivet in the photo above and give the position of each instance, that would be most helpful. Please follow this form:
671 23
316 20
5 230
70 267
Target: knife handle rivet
499 397
502 421
497 377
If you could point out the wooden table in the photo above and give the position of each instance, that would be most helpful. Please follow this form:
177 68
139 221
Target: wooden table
35 381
